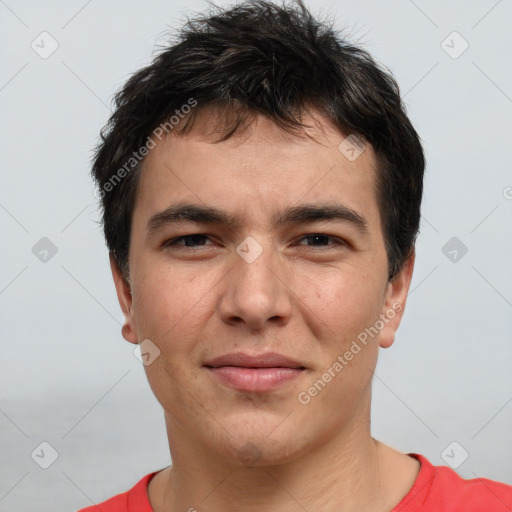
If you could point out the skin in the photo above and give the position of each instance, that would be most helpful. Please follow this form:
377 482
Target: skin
304 298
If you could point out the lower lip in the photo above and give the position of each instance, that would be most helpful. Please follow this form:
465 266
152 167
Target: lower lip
255 380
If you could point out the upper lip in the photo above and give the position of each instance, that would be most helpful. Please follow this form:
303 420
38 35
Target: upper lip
266 360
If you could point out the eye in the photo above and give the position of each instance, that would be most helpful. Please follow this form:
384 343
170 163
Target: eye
197 240
189 241
321 240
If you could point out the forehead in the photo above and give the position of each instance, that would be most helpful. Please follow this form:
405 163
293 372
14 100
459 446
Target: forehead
259 169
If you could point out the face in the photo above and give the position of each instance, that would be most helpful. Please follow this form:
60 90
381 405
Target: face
300 270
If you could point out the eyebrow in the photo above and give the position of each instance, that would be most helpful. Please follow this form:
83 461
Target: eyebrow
306 213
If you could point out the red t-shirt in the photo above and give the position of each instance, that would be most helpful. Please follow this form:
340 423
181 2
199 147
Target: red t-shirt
436 489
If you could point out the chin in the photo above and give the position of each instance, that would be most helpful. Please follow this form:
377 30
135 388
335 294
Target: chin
262 443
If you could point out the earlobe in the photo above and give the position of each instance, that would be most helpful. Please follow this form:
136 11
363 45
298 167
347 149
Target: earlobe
124 296
394 304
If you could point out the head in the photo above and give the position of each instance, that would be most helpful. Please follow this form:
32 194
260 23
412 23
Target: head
277 128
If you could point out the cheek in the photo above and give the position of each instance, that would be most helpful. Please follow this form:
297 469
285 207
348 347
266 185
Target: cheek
170 310
345 302
171 306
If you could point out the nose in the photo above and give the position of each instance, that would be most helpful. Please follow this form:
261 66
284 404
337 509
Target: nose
256 292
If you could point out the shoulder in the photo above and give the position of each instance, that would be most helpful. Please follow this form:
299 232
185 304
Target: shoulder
476 494
440 488
135 499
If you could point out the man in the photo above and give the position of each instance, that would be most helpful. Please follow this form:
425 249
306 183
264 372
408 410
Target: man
261 188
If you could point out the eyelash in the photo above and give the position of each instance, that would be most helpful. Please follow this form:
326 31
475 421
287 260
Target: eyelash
173 241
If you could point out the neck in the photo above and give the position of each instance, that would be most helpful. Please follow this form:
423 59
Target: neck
351 471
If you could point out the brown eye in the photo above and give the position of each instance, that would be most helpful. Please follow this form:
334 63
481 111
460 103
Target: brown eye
194 240
322 240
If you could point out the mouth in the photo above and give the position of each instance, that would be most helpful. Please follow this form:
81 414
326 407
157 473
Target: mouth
254 374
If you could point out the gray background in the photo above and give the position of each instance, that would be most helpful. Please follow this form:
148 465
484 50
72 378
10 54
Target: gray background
69 378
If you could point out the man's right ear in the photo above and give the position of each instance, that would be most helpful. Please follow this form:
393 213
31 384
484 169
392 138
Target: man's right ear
124 296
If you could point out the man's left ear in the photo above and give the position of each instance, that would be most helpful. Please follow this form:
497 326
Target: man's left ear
394 304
